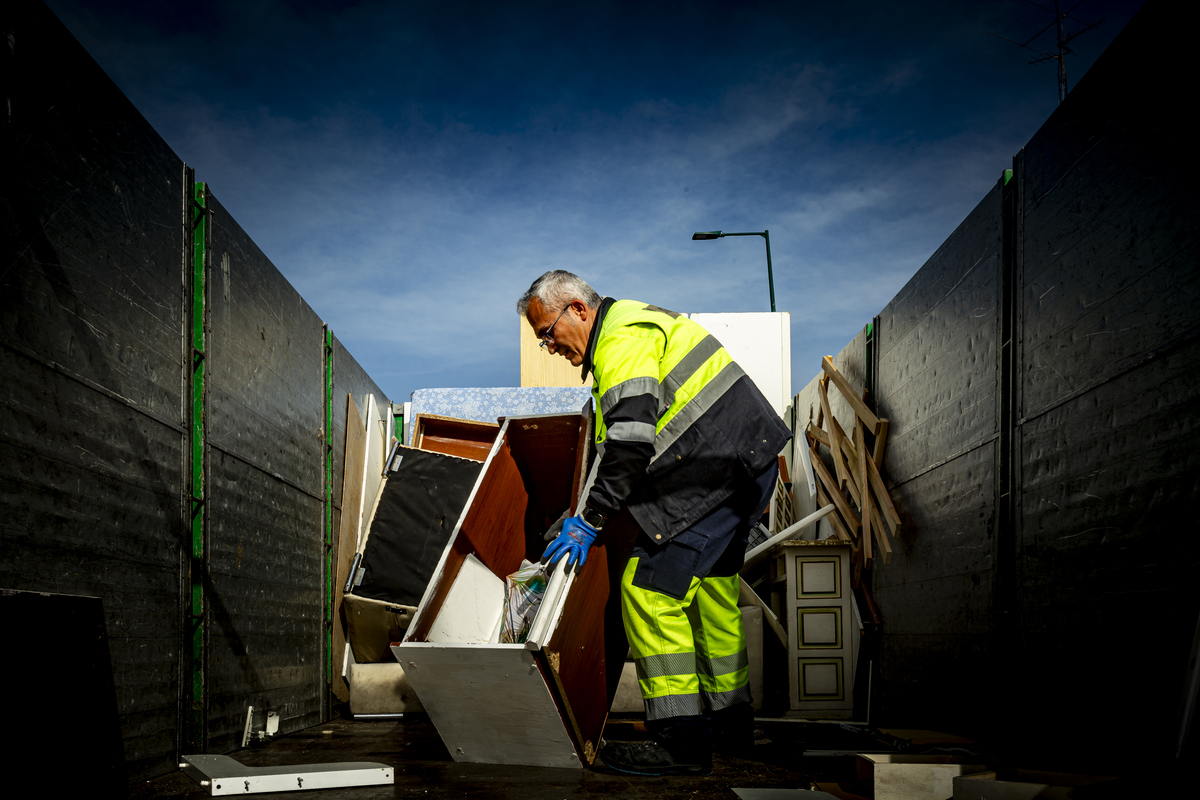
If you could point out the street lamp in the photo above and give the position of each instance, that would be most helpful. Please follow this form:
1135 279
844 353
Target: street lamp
703 235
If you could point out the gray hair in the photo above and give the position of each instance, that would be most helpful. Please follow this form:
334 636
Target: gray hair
556 289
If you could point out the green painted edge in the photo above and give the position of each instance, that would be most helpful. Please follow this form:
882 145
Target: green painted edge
328 457
198 717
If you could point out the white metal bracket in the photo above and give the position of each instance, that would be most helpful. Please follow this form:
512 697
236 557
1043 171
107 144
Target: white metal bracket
222 775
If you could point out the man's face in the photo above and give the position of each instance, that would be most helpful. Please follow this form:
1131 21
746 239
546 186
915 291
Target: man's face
569 337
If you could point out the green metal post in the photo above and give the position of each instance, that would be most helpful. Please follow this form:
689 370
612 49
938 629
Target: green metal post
770 273
198 718
330 574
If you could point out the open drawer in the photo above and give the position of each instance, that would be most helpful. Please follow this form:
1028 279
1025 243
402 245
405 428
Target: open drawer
544 702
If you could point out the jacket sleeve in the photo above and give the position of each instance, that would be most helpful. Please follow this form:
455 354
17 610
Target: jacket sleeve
629 407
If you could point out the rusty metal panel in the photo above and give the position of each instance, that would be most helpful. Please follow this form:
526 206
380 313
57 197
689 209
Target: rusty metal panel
91 317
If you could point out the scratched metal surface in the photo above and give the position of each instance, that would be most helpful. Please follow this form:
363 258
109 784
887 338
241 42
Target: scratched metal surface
90 349
266 550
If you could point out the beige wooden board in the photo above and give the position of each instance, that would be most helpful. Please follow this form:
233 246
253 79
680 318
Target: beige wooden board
490 704
347 544
381 689
377 448
539 368
905 777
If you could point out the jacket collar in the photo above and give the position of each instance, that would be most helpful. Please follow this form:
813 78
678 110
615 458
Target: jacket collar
601 312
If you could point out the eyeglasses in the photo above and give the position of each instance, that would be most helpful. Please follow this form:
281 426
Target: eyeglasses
547 335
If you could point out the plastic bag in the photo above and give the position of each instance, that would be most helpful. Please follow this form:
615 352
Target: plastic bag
523 592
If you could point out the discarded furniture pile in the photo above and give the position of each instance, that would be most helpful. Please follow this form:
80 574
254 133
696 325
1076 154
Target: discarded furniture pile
440 542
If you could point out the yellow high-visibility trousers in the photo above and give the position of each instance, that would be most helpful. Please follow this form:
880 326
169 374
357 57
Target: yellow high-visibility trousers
690 653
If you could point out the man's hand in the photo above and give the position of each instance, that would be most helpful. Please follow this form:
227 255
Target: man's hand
573 541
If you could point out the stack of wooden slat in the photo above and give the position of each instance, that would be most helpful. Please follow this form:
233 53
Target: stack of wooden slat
856 488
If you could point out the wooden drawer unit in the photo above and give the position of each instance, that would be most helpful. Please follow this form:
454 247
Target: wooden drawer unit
543 702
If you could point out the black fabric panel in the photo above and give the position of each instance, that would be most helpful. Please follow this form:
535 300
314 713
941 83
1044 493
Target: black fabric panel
418 509
91 414
266 554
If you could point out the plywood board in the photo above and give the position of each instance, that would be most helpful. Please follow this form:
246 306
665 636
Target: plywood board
373 476
761 344
352 481
489 704
539 368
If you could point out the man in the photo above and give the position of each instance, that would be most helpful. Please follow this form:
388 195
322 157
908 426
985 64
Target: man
688 444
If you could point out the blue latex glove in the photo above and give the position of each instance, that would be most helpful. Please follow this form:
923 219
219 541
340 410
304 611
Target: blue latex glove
573 542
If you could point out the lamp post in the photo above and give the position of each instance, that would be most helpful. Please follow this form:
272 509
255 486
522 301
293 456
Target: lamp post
703 235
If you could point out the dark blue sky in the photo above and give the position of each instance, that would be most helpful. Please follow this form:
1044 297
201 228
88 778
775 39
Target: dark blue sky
411 167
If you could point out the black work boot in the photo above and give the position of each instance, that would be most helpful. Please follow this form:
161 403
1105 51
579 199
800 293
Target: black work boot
654 757
733 730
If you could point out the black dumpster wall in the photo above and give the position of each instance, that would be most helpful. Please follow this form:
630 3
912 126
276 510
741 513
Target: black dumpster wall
1041 377
94 471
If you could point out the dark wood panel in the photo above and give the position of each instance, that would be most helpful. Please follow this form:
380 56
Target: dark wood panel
455 437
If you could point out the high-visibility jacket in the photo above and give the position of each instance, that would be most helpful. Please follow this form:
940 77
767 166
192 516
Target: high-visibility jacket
679 425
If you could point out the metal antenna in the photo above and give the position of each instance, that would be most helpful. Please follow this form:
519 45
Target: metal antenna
1064 39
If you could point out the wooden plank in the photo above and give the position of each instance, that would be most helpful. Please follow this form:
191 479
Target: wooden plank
885 500
835 519
881 436
835 448
881 537
860 408
864 488
851 458
818 435
355 461
834 495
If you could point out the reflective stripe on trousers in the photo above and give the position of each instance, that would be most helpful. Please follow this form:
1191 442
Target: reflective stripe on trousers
690 653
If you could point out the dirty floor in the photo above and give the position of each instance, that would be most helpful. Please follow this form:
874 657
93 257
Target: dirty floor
424 769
